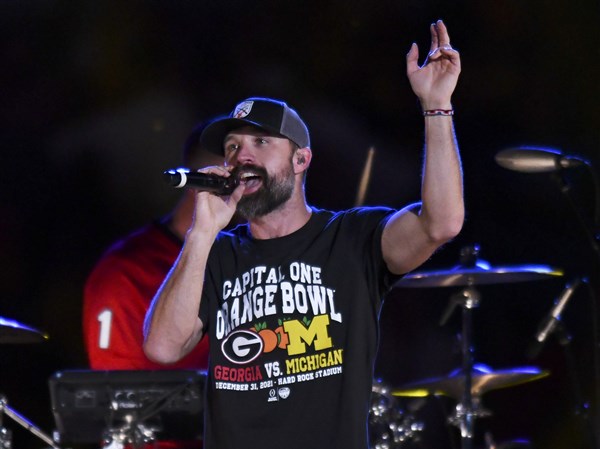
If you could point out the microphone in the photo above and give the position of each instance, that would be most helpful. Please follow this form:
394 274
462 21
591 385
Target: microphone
205 182
536 160
549 323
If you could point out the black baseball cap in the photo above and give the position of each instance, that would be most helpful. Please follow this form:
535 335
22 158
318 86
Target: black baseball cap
274 116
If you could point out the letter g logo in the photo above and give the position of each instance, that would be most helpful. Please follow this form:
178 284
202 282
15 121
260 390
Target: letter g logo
242 346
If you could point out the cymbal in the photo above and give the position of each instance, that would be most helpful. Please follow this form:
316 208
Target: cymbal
14 332
481 273
484 379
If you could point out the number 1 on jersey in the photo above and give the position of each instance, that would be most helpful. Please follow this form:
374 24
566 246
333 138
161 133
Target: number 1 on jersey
105 318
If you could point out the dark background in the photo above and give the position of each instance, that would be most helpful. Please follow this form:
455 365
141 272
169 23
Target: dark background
98 97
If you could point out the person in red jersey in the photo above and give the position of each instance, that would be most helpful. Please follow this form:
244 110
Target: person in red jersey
121 285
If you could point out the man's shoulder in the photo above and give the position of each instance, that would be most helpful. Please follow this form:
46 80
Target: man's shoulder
354 214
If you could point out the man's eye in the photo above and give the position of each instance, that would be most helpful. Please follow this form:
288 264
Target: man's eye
261 141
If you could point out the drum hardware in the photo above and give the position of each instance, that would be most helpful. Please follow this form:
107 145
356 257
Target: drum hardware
536 160
470 272
365 178
477 410
390 427
552 325
527 159
12 331
512 444
131 432
480 273
6 435
483 379
127 407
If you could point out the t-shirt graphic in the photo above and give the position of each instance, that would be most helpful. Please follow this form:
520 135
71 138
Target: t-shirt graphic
293 333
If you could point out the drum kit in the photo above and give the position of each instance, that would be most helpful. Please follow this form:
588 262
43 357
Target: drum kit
390 426
13 332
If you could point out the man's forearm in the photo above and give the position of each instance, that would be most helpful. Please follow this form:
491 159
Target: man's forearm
442 187
172 327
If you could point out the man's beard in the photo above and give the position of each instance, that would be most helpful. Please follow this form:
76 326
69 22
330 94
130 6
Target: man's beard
274 191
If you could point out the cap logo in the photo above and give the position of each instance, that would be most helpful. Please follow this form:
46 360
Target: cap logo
243 109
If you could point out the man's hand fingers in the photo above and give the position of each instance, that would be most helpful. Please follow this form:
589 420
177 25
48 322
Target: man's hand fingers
412 59
434 37
442 34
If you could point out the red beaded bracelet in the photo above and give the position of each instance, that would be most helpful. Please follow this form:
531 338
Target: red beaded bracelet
432 112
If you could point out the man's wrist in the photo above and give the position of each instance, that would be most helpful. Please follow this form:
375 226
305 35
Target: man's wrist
427 105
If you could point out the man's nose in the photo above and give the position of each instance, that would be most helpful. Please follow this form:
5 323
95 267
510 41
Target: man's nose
244 154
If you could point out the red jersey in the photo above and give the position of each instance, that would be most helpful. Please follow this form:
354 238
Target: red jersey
117 295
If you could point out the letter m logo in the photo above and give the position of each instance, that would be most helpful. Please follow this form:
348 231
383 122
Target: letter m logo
299 335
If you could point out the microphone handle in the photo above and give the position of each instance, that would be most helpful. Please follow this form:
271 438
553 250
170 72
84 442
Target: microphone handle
204 182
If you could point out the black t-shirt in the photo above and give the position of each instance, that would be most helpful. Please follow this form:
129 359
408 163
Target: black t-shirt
293 333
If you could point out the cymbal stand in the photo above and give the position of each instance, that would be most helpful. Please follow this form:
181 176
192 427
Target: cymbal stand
592 233
580 405
467 299
5 434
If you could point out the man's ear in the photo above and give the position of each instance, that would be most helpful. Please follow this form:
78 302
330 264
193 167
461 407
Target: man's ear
302 159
